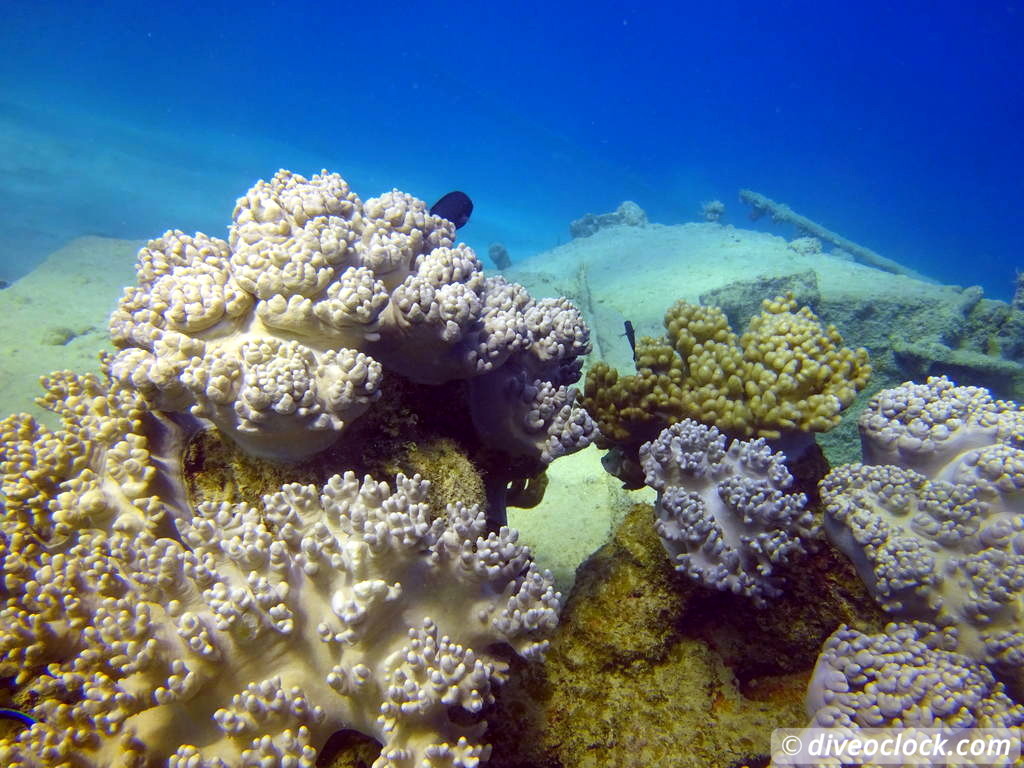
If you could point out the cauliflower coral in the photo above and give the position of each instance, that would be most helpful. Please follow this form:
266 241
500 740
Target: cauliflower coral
282 334
787 373
788 376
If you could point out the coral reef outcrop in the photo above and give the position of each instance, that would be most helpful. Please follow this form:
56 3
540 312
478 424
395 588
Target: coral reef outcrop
274 519
171 595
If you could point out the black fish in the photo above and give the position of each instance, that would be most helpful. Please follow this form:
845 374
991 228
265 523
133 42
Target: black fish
455 206
630 335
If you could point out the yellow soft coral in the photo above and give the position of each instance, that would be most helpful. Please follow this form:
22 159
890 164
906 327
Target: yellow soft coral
787 373
96 468
690 325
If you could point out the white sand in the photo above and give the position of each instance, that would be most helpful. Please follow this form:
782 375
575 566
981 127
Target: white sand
55 317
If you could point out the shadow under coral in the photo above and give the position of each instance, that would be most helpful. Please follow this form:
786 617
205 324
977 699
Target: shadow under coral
414 429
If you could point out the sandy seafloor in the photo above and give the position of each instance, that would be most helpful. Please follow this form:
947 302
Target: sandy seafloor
55 318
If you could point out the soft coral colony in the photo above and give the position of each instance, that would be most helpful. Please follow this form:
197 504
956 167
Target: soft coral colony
280 336
143 625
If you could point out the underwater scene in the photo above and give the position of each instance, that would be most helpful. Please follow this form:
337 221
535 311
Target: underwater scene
511 385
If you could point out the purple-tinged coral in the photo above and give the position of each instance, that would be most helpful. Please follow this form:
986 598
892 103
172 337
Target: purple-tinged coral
936 530
524 417
724 515
527 408
902 687
928 427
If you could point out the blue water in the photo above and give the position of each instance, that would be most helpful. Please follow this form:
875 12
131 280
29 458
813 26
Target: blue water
895 124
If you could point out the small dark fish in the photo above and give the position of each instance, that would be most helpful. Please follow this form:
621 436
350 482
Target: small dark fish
15 714
455 206
630 335
4 284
